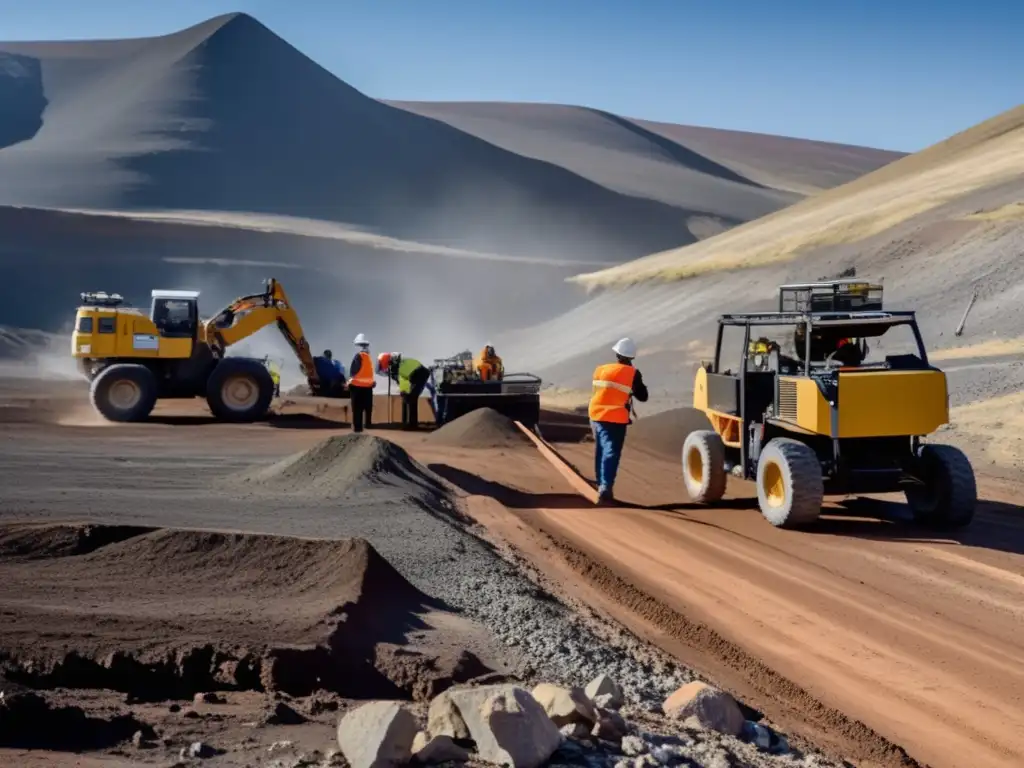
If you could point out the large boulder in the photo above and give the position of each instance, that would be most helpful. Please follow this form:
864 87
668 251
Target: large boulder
713 708
444 719
506 722
565 706
377 735
605 692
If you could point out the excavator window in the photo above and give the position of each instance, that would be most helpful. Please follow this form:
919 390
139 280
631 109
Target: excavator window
175 318
107 325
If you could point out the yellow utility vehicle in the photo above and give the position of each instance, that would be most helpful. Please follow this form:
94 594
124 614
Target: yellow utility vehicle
133 359
830 419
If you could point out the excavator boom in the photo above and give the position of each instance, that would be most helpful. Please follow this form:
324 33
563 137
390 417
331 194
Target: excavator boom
248 314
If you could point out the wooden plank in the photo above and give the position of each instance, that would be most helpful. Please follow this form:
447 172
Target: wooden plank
578 483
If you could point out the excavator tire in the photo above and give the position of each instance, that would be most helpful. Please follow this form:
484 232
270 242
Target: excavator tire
239 390
124 392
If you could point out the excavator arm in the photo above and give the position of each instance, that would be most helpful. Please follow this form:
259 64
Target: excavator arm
248 314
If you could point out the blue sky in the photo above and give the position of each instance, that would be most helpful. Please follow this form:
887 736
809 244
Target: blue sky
900 74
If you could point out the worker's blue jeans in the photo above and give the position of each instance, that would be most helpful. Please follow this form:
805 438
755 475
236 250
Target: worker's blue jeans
608 441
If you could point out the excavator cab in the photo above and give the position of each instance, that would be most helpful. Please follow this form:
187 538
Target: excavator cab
176 314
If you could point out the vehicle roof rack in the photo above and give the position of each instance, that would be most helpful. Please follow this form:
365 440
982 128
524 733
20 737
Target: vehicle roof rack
831 296
101 299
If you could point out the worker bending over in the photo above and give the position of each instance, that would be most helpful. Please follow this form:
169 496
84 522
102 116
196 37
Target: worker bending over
412 377
615 386
361 384
489 366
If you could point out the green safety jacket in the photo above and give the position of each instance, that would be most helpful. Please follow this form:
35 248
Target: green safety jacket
406 367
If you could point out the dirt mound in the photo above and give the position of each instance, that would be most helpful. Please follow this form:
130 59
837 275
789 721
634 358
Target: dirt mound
665 432
342 465
482 428
165 613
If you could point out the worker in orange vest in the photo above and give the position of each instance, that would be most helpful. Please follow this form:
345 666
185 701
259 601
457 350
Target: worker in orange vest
361 384
615 386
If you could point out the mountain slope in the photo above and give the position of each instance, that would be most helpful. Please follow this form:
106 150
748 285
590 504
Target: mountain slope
724 177
226 115
984 156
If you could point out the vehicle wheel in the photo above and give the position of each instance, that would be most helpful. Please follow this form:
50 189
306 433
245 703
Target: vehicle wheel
704 466
949 493
790 487
124 392
239 390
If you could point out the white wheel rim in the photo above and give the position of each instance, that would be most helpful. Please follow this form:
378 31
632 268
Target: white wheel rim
240 393
124 394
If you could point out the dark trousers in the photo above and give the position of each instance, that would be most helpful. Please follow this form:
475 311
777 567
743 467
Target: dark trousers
411 399
362 407
608 441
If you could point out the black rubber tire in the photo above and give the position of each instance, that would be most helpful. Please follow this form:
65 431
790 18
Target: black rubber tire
258 387
105 385
703 458
950 495
803 486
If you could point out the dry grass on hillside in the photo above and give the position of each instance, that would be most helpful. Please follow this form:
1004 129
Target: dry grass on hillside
1009 212
985 155
991 348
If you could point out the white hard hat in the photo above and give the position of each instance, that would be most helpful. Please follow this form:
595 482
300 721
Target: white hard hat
361 340
625 347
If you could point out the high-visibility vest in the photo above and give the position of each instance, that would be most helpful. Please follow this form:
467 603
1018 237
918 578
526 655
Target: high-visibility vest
613 388
364 376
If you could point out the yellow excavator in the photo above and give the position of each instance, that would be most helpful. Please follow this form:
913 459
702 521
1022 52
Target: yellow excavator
133 360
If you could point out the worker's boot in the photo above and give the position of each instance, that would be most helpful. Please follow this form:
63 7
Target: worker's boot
605 497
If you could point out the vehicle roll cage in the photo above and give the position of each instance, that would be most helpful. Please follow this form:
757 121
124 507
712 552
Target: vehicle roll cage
810 321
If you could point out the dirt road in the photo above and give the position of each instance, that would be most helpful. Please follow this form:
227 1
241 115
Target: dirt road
867 636
918 638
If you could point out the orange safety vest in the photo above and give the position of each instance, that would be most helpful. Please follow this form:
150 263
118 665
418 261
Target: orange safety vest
364 376
613 389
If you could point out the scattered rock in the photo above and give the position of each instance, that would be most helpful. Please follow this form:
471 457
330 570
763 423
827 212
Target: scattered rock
191 714
283 714
377 735
764 738
511 728
280 746
575 731
633 746
320 702
440 749
610 726
605 692
199 749
713 708
208 698
565 706
174 708
139 739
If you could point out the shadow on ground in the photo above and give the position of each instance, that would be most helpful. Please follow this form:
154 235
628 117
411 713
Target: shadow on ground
506 495
997 525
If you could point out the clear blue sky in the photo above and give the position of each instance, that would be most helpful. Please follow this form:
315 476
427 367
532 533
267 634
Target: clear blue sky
897 74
